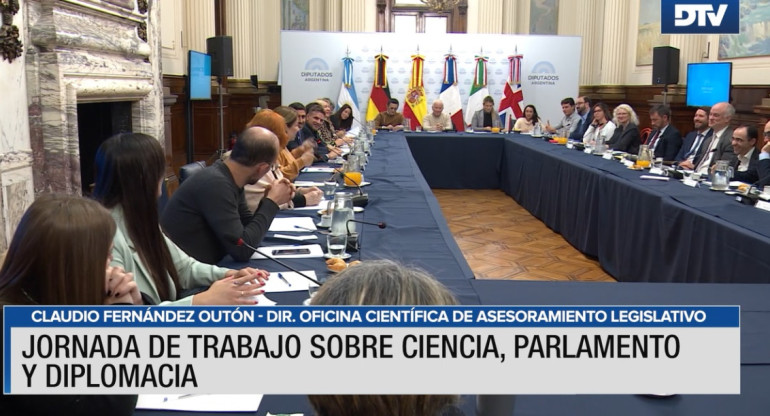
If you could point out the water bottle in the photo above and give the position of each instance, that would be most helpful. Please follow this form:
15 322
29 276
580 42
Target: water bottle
536 130
343 211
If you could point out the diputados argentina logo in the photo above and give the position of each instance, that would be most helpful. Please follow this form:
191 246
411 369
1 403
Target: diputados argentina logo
700 16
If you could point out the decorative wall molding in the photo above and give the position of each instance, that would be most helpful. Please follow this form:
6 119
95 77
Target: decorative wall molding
10 41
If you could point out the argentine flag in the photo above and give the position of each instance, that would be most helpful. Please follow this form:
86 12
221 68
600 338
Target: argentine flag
348 96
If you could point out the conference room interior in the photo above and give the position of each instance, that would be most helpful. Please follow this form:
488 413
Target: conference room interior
64 94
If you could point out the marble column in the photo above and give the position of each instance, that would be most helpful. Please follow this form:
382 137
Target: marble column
240 25
267 24
333 16
584 21
316 11
199 23
358 15
490 18
522 16
509 15
691 50
614 53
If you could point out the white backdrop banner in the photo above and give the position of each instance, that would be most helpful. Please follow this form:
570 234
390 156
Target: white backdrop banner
312 67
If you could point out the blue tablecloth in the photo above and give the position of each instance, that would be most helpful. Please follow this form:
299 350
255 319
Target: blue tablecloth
458 160
416 234
640 230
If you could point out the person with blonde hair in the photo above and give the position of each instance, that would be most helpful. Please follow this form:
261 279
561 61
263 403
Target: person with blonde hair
382 282
277 124
59 255
626 137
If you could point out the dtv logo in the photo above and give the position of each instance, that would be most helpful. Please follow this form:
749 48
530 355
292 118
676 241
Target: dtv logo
687 13
699 16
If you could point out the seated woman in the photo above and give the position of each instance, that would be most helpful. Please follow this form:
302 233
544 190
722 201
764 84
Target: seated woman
274 122
342 120
129 171
383 282
527 123
601 127
487 117
626 137
59 255
330 135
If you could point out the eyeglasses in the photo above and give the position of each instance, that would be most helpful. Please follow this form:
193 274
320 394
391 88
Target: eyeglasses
767 133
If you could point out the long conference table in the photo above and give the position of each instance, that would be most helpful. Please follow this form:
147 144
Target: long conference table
417 235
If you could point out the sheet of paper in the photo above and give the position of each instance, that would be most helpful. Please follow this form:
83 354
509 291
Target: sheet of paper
296 237
292 224
307 183
315 251
295 282
657 178
318 169
200 402
263 300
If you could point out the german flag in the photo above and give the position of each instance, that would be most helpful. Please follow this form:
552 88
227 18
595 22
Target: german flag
378 99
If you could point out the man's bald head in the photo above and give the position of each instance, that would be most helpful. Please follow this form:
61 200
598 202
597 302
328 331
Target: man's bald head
255 145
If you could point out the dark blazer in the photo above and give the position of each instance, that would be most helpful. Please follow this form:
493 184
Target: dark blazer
297 141
578 133
749 176
321 150
684 151
626 139
669 143
763 170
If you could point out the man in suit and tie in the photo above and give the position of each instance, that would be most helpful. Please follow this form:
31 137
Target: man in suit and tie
583 108
719 146
665 140
744 161
689 155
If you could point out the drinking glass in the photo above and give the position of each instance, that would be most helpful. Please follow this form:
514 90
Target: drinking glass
336 244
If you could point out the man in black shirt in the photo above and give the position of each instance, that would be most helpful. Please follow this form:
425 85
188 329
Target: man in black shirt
208 214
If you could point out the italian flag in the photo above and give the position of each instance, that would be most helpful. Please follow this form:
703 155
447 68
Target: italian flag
378 99
478 90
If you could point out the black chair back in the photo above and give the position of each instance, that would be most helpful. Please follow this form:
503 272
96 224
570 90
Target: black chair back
190 169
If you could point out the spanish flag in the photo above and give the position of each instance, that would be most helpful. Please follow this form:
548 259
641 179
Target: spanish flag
415 105
378 99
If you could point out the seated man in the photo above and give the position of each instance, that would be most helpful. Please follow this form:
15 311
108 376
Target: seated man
390 119
208 214
437 120
744 161
315 129
569 122
583 108
665 140
299 138
691 151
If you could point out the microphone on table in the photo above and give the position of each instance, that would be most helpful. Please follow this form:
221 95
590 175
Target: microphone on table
353 237
242 243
